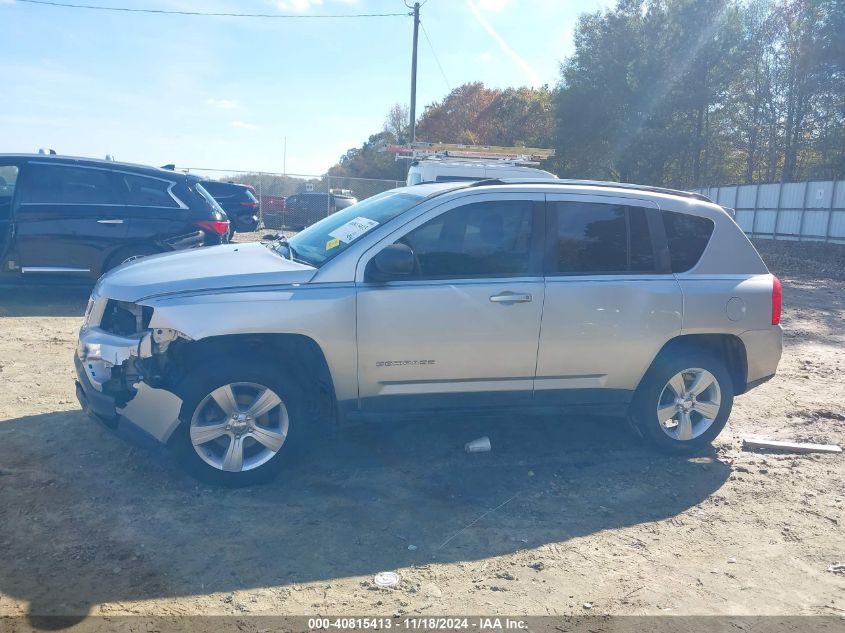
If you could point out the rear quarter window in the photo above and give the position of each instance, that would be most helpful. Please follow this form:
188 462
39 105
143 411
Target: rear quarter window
687 236
142 191
210 201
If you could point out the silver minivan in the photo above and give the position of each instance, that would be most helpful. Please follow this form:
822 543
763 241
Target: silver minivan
496 295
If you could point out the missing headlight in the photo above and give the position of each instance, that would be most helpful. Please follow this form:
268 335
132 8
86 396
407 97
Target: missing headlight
125 319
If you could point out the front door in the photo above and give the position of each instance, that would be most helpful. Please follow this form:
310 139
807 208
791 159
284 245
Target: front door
463 329
8 183
68 218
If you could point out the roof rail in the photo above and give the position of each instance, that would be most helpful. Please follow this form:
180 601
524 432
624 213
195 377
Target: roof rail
589 183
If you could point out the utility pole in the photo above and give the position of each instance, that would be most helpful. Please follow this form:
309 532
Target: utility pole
414 73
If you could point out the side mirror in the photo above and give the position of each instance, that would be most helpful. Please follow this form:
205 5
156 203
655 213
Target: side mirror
396 260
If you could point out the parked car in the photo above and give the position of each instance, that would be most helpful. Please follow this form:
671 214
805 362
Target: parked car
70 216
239 203
272 203
303 209
500 296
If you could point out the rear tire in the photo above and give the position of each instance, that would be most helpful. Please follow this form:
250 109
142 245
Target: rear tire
684 401
240 421
129 253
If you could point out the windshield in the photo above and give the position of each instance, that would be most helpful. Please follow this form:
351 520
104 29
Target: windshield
332 235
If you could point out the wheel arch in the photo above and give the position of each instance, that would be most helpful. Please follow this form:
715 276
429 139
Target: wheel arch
727 347
311 372
111 260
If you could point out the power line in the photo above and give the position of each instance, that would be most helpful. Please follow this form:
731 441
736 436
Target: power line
204 14
436 59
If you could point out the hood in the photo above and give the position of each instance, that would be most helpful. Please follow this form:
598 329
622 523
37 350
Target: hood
198 269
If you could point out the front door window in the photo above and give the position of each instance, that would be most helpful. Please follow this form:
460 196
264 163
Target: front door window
483 239
8 182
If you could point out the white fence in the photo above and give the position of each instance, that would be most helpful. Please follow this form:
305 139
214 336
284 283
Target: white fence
790 211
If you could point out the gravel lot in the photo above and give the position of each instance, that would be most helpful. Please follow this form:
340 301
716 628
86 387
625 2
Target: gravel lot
563 513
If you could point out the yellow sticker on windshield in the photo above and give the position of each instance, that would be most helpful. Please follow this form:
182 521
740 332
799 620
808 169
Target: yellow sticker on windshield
332 244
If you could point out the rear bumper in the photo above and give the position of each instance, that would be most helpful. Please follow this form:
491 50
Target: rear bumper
246 223
763 350
180 242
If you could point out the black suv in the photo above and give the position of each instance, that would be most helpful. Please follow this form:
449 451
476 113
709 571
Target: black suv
82 217
303 209
239 203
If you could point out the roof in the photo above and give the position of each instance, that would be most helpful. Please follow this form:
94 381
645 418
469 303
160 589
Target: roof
94 162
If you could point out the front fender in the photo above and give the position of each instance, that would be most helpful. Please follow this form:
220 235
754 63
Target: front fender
324 313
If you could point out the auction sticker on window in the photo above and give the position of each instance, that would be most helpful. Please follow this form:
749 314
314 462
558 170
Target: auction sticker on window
353 229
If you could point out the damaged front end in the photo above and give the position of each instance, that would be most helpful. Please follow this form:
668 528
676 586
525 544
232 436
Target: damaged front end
121 366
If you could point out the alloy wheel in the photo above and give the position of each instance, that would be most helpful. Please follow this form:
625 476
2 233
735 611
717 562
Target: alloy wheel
239 426
689 404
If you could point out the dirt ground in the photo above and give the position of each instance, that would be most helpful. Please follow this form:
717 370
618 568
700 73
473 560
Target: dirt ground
564 516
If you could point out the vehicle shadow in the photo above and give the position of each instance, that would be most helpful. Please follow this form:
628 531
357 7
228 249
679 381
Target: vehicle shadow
89 517
36 300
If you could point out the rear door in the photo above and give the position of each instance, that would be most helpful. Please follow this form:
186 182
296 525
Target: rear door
156 217
611 299
69 219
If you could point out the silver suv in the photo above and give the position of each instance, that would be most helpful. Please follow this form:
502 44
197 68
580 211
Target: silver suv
604 297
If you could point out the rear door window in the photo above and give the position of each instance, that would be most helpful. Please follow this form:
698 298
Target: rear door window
66 184
596 239
687 236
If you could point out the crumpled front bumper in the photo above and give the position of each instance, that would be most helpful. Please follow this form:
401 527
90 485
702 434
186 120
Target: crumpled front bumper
94 403
100 352
107 388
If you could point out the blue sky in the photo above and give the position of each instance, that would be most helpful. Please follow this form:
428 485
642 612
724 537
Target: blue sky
224 92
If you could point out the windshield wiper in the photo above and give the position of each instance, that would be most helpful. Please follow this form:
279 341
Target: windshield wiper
282 241
294 256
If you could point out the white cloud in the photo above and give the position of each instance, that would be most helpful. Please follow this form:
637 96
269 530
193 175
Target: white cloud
530 74
242 125
298 6
494 6
223 104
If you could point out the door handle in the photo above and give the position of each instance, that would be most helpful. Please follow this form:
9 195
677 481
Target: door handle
109 221
510 297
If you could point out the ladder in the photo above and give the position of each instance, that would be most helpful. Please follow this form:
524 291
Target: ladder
507 155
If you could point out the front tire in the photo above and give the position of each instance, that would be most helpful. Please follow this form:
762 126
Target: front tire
684 401
239 421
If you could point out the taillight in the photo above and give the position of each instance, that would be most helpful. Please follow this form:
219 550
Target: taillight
777 300
215 226
249 204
